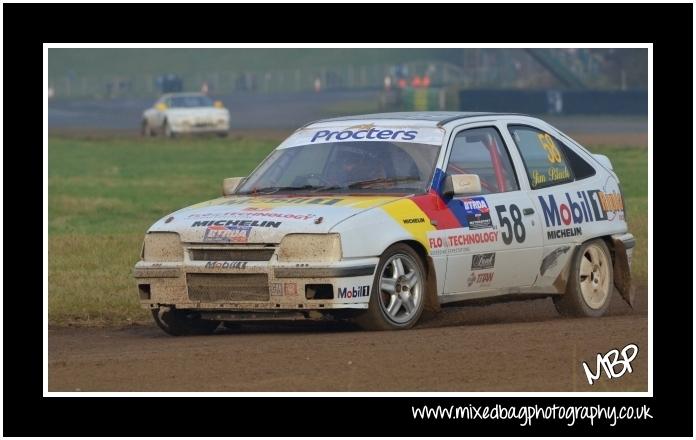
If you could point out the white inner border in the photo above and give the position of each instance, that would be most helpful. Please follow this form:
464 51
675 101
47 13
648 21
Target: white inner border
47 393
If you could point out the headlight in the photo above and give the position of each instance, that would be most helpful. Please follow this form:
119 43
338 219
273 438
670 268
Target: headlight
162 246
310 247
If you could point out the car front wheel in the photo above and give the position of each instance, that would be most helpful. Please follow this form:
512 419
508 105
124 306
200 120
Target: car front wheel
167 130
398 292
591 282
145 129
182 322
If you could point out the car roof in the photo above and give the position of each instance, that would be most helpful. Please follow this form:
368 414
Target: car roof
434 118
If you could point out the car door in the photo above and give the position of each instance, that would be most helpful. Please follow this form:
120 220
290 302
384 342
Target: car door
566 208
498 247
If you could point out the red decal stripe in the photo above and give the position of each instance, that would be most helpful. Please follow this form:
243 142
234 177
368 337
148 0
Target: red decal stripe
436 209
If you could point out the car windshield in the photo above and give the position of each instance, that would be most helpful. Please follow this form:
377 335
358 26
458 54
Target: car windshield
190 101
356 167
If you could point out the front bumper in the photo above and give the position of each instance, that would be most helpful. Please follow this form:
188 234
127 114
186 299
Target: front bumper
255 285
200 127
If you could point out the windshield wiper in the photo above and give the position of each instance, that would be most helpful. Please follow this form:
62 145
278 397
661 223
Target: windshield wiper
316 188
327 188
364 183
275 189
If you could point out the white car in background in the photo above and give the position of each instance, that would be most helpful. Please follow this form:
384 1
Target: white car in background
377 217
179 113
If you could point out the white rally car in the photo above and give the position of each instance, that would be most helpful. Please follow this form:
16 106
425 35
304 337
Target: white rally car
377 217
179 113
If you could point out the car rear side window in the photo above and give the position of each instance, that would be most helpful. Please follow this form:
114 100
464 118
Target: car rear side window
543 158
581 169
481 151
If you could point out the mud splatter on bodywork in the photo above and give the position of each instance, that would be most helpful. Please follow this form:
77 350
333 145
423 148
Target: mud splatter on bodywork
551 259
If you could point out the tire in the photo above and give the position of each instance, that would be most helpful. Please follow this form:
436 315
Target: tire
591 282
167 130
182 322
390 309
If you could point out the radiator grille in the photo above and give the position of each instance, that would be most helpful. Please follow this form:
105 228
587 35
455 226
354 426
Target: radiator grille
231 254
228 287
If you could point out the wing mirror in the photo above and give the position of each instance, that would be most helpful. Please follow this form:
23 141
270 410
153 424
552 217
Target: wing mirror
230 185
161 106
461 184
218 104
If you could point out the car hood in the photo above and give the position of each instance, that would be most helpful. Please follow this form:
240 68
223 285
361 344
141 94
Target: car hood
264 219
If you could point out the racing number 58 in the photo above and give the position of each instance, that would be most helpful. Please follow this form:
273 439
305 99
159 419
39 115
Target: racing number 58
516 227
547 143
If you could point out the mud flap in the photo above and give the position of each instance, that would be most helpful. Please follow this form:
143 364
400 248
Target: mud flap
622 273
431 304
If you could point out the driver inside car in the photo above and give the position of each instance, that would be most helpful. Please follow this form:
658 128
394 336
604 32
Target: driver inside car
352 167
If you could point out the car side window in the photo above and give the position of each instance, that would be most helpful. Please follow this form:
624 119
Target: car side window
581 169
543 158
481 151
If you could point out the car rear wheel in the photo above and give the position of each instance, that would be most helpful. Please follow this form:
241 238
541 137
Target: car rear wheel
398 292
591 282
182 322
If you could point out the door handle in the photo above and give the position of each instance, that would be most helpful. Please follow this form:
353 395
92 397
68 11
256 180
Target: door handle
528 211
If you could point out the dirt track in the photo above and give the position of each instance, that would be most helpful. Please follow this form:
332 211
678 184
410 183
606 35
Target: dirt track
519 346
